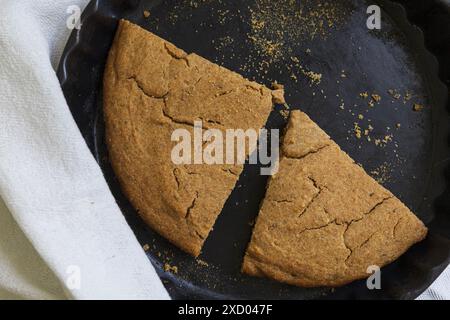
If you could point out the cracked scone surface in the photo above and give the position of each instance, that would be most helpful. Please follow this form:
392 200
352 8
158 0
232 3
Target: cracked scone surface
324 220
152 88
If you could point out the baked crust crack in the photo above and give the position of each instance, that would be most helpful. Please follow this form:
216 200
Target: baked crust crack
365 214
319 227
177 121
394 230
177 179
319 191
229 171
192 206
141 88
177 54
349 224
281 201
289 156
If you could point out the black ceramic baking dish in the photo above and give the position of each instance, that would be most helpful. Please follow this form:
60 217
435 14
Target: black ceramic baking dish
407 56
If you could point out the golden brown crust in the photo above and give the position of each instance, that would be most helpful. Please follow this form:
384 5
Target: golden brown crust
152 88
324 221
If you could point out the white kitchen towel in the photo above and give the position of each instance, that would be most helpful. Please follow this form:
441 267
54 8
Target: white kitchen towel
440 289
61 233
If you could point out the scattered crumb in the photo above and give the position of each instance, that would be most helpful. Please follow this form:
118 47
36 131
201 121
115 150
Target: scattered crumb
387 139
394 94
169 268
382 173
408 96
304 20
376 97
357 130
316 78
146 247
364 95
284 114
146 14
223 43
417 107
202 263
295 60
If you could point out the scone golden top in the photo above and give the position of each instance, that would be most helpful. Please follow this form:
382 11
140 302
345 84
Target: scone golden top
152 88
324 221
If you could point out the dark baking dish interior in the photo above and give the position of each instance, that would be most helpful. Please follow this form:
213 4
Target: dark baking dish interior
421 181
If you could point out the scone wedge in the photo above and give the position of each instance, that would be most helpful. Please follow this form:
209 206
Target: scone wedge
152 88
324 220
